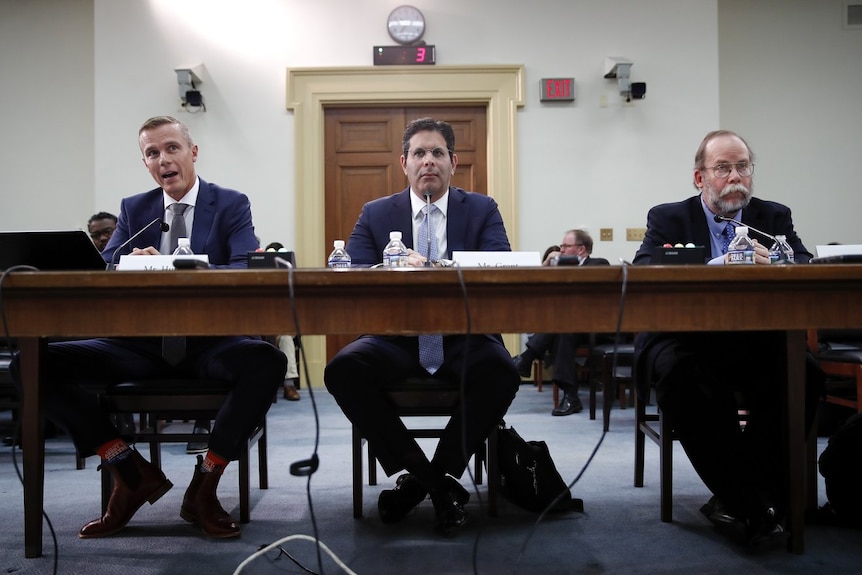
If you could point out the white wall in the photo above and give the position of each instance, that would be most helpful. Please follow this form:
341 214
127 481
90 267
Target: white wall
46 114
109 65
791 82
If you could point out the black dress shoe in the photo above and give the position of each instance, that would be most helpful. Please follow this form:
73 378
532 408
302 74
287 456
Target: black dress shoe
765 527
568 405
451 514
457 490
393 505
524 365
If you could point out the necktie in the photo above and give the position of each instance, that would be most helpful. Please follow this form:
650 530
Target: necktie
174 347
178 225
430 346
729 233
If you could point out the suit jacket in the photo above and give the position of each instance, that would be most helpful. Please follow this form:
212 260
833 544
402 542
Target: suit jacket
685 222
473 223
222 227
591 261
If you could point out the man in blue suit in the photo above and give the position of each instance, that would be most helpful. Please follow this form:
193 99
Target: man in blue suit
221 227
357 374
699 376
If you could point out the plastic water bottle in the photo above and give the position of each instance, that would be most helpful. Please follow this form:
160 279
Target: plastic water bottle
395 252
184 247
741 249
781 252
339 259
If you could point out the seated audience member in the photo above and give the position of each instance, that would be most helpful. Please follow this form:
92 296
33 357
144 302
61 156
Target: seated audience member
101 226
698 376
562 346
221 227
551 254
356 376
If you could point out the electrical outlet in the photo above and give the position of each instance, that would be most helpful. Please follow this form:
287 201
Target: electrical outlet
635 234
606 234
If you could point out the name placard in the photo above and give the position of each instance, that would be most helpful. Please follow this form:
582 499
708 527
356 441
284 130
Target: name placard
154 263
497 259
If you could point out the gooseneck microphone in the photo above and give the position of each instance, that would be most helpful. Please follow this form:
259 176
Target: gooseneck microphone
719 218
164 226
428 263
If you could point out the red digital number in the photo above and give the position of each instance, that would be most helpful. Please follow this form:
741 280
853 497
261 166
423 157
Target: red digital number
420 54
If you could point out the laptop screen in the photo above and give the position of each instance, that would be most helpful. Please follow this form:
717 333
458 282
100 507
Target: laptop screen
50 250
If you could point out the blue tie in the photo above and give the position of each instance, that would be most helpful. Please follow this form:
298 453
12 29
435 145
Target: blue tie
729 233
430 346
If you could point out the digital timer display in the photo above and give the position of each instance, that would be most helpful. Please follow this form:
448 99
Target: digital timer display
404 55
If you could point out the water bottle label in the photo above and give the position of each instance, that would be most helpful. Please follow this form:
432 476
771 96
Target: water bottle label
774 258
339 264
740 257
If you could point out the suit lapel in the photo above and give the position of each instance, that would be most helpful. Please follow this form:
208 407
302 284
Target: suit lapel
457 218
204 217
401 217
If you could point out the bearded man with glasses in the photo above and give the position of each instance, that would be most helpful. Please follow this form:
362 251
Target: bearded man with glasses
699 377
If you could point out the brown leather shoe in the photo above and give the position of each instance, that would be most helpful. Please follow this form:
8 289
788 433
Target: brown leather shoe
136 481
201 506
290 392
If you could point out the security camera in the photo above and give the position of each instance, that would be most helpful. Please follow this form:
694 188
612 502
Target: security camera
188 79
638 90
616 67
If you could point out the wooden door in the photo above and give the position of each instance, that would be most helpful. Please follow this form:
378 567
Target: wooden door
362 151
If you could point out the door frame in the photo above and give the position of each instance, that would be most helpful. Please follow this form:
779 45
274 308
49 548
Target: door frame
309 90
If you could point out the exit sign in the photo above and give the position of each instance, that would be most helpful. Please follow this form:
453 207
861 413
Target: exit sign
558 90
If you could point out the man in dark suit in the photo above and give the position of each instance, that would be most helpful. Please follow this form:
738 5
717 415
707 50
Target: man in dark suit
698 376
577 248
221 227
459 220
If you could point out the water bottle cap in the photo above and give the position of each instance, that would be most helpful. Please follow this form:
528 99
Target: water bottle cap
395 235
742 231
338 244
183 242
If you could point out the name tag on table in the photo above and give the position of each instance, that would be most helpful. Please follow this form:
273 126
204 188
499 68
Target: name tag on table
497 259
155 263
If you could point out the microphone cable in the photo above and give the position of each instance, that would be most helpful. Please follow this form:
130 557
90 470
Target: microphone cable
17 433
595 450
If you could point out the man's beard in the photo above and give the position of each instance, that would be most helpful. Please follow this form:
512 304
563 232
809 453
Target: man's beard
721 202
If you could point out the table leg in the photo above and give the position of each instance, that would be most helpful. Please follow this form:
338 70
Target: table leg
32 442
794 425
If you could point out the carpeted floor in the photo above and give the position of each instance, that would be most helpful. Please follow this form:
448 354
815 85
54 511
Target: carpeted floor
620 531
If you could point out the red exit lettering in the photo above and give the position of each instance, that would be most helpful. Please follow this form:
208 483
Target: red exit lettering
558 89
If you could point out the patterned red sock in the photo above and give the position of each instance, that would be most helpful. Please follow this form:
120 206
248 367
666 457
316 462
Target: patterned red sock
114 450
213 462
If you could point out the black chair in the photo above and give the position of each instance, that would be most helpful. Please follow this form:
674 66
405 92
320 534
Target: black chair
425 397
177 400
614 380
839 353
10 399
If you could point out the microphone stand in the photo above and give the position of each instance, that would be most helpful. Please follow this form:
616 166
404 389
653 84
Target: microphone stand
719 218
428 263
112 265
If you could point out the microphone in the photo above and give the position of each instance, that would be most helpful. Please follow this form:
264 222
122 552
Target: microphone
719 218
428 263
164 226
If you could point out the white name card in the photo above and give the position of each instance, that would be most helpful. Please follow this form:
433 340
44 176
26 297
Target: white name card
155 263
497 259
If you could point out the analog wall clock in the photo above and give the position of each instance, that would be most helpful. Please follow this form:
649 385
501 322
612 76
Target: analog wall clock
406 24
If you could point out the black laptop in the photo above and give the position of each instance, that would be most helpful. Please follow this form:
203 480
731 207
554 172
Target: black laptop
50 251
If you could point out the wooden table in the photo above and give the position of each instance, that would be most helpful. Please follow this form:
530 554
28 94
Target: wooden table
679 298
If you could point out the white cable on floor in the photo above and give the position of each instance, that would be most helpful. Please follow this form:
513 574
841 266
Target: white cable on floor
275 544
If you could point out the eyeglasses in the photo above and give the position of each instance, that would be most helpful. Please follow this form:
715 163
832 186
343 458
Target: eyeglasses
103 232
744 169
567 246
438 153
